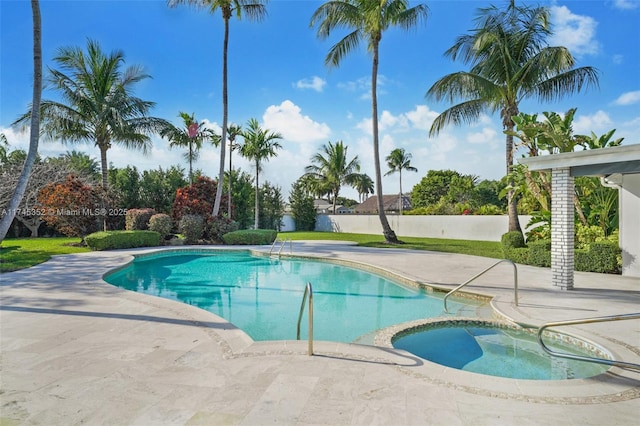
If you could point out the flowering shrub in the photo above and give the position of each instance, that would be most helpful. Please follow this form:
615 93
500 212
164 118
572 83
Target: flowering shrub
138 219
218 226
72 207
192 227
197 198
160 223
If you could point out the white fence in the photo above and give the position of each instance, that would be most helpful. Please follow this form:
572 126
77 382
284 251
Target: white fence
463 227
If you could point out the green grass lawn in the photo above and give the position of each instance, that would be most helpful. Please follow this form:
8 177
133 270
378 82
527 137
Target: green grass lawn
20 253
476 248
25 252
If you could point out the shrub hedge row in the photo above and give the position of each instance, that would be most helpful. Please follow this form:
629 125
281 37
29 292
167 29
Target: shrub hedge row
603 256
112 240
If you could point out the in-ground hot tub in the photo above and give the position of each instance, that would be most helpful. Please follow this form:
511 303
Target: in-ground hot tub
495 348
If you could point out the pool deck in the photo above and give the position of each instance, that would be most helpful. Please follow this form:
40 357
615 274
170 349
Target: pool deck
76 350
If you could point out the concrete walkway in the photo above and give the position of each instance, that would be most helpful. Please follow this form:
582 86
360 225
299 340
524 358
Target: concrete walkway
76 350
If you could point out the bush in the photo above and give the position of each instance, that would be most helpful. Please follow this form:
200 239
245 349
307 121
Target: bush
192 227
72 207
518 255
250 237
488 210
196 199
161 223
218 226
138 219
603 257
540 253
111 240
513 239
514 248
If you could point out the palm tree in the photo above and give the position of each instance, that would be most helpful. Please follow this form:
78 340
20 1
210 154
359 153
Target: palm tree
255 10
192 135
364 185
233 131
98 104
34 117
510 61
333 169
368 19
398 161
259 145
82 163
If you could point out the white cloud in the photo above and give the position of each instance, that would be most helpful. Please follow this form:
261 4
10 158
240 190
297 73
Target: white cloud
487 136
287 119
314 83
575 32
421 117
585 124
618 59
628 98
626 4
363 86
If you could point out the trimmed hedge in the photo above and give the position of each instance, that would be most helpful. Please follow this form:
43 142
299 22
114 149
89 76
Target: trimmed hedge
602 257
250 237
112 240
540 253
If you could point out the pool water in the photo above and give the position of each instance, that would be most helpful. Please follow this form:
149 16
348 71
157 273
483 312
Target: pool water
262 295
501 352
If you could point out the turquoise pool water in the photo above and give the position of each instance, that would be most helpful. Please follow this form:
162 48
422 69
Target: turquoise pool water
262 295
495 351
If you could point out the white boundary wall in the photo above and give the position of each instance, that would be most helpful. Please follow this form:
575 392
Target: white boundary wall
462 227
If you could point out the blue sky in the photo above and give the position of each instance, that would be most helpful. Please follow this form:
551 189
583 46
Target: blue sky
277 75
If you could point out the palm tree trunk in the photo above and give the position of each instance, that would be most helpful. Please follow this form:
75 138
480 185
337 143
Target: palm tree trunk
103 164
514 222
229 212
225 112
388 233
34 136
191 162
256 215
401 200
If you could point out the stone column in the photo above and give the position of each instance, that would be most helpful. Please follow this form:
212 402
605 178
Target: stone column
562 228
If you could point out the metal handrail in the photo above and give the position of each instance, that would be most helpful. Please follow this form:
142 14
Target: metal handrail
307 291
283 241
273 244
515 281
551 352
283 244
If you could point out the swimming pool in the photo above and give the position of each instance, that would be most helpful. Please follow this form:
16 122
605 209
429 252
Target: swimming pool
262 295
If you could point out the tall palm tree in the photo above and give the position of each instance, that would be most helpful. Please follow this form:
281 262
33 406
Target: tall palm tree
397 161
254 10
233 131
34 117
510 60
368 19
259 145
98 105
191 136
332 168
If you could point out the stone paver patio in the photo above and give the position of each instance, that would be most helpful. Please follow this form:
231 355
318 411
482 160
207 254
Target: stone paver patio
76 350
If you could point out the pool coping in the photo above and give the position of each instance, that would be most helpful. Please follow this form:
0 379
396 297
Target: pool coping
237 344
343 383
